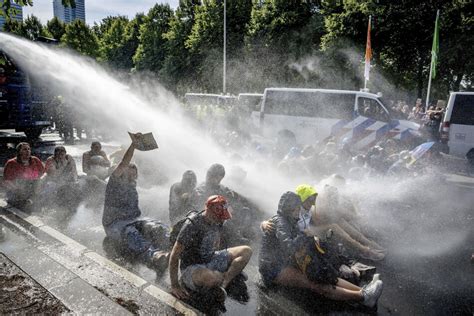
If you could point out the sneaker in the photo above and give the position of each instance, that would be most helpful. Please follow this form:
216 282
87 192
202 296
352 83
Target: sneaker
372 293
376 277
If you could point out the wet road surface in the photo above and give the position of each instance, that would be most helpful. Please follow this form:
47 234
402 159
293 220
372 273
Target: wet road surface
428 284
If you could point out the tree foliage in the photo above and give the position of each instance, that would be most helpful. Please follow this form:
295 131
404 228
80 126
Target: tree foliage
80 37
151 51
56 28
279 43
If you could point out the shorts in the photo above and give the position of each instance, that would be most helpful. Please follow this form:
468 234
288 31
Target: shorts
220 262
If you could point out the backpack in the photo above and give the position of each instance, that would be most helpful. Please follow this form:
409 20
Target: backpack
177 227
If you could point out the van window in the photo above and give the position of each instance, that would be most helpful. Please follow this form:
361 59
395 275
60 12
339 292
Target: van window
310 104
372 109
463 110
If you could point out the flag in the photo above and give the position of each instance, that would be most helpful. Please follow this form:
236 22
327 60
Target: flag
435 48
368 53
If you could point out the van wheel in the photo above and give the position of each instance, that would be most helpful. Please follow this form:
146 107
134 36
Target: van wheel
33 133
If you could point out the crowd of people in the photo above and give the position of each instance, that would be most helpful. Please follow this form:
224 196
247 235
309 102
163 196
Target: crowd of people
207 243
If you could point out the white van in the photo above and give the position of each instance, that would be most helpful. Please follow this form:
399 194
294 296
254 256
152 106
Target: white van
317 114
457 128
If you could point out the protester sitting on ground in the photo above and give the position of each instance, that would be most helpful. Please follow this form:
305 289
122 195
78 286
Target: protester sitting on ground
277 264
61 176
338 214
143 238
245 214
21 177
95 162
308 196
183 197
205 262
61 167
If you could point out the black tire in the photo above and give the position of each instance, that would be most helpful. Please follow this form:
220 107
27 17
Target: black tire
33 133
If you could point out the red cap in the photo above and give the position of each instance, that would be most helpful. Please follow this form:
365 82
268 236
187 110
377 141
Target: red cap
217 205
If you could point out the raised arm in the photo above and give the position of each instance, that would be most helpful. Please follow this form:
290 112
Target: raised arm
127 158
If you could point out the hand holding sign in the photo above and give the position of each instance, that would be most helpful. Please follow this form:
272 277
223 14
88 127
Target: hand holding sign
143 142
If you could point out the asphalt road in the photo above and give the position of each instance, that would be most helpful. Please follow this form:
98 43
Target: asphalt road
435 282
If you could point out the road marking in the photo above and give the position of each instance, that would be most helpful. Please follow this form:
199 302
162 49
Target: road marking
71 243
169 300
115 268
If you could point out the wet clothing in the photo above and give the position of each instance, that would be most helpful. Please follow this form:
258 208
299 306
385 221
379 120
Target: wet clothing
280 244
15 170
220 262
25 177
121 201
181 202
122 222
200 239
61 172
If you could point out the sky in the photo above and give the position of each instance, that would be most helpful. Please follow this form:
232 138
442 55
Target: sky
96 10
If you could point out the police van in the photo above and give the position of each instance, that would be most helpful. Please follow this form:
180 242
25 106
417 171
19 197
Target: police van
457 128
317 114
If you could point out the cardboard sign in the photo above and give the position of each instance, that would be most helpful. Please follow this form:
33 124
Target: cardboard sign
143 142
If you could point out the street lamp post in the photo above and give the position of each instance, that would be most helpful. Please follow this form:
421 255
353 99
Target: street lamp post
225 36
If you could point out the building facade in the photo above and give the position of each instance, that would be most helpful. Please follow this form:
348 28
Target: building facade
17 16
67 14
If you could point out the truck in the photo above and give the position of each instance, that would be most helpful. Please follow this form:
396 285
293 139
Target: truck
23 100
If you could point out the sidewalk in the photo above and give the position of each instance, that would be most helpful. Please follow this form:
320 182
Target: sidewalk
84 281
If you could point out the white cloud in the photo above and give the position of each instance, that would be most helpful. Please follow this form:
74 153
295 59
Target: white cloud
96 10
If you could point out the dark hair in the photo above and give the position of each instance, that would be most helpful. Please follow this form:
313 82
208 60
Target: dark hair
59 149
96 143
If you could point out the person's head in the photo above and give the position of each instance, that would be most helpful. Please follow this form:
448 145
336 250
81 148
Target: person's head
215 174
217 209
23 151
290 205
60 153
307 194
130 173
189 180
96 147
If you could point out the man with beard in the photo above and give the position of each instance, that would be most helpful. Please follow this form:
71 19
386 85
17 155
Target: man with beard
141 237
21 176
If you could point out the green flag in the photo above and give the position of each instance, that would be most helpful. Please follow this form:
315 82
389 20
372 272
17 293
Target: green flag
435 48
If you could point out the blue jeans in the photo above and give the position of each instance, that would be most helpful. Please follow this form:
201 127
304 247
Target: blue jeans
126 233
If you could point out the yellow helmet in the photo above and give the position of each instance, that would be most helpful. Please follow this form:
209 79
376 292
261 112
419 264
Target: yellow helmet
304 191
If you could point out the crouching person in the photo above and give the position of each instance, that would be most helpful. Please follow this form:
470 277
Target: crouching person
206 265
143 238
278 266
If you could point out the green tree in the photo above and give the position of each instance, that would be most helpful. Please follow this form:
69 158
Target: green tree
280 34
33 28
56 28
178 71
80 37
151 51
112 40
402 38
